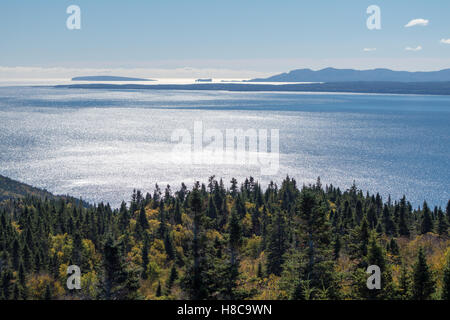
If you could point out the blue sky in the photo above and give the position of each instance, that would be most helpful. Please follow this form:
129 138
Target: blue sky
252 36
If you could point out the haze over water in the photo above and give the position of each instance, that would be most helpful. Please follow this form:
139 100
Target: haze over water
101 144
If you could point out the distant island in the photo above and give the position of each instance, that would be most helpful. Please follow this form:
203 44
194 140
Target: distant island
108 78
204 80
349 75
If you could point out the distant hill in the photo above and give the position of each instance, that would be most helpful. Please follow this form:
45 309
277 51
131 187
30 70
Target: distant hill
12 189
108 78
349 75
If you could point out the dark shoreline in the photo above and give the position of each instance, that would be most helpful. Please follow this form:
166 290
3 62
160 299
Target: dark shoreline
427 88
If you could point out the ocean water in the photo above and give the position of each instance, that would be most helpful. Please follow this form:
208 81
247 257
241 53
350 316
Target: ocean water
101 144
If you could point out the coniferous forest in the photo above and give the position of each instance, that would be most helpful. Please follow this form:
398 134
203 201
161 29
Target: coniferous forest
243 241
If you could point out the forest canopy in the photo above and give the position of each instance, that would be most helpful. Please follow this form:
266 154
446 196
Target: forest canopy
212 242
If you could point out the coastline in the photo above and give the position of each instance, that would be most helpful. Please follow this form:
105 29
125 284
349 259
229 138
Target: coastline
414 88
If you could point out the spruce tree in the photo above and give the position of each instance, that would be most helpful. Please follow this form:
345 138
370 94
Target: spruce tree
158 290
234 244
259 272
404 288
143 221
446 281
423 282
168 245
162 221
124 217
48 292
119 282
442 224
145 259
427 222
393 247
173 276
277 245
315 236
403 228
177 214
194 282
212 211
377 256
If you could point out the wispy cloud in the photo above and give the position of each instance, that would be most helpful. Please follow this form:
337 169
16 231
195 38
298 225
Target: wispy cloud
417 22
369 49
445 41
418 48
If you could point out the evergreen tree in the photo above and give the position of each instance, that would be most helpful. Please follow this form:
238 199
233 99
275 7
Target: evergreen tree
143 221
446 281
442 224
360 241
124 217
337 247
173 276
259 272
145 259
377 256
389 225
234 244
315 236
403 223
393 247
177 214
212 211
277 245
423 282
168 245
162 221
119 282
404 289
427 222
158 290
48 292
194 281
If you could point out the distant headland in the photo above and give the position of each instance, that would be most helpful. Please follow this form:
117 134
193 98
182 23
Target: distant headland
351 75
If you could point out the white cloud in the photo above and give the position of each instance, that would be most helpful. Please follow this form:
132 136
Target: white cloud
417 22
369 49
445 41
418 48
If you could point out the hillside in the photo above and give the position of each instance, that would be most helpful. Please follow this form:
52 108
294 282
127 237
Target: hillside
348 75
11 189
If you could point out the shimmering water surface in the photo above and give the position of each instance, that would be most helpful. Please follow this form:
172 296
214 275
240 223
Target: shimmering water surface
100 144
